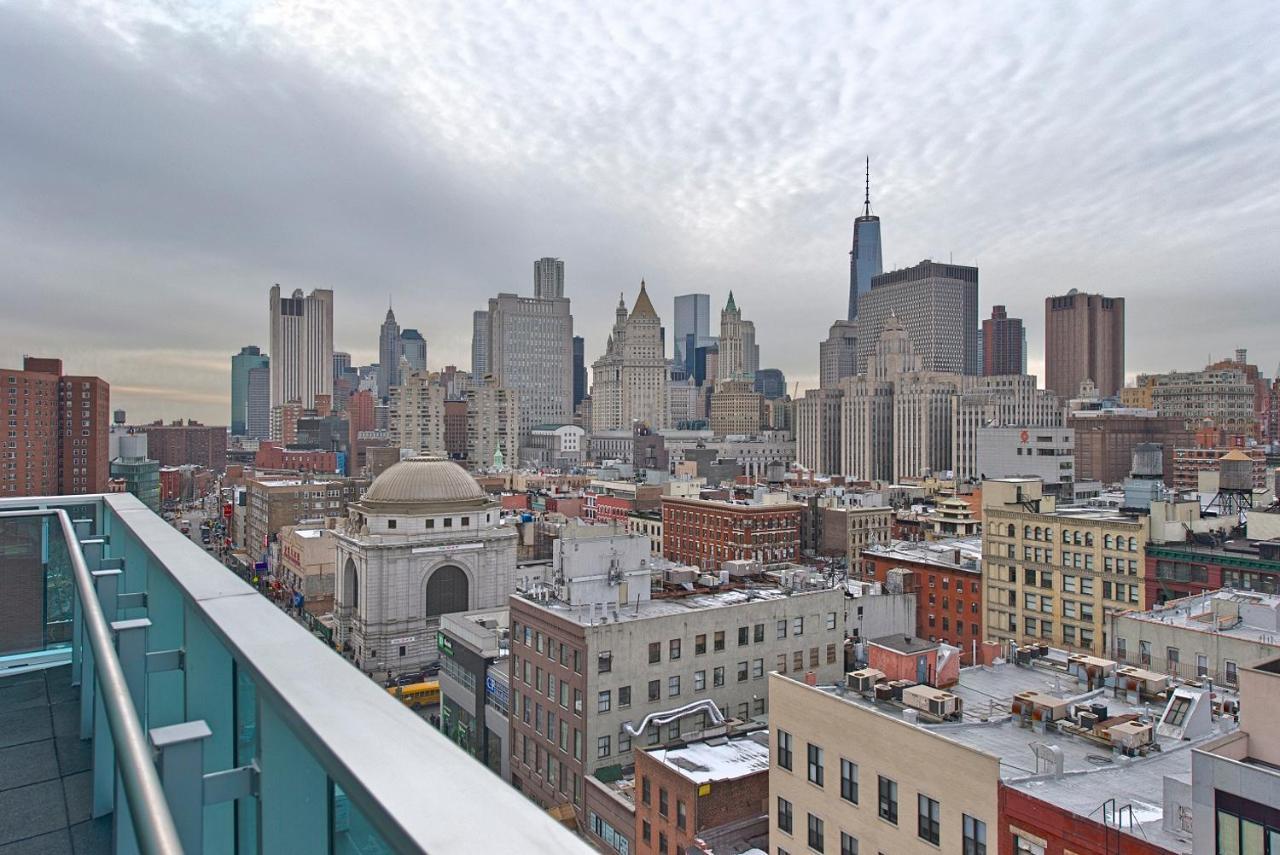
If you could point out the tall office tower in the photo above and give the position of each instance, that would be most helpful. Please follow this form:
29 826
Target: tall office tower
413 347
479 344
693 318
896 419
864 258
938 305
629 382
771 383
416 415
838 355
341 363
579 370
1002 338
388 355
739 356
257 415
59 431
301 346
530 352
492 426
241 364
548 278
817 430
1084 340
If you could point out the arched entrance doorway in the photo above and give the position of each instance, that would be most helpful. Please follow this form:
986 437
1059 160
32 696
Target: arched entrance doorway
448 591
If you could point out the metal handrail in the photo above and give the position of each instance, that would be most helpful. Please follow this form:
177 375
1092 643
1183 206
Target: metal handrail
152 822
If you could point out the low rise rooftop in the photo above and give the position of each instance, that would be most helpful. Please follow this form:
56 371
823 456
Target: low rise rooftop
1066 764
661 606
1238 614
718 759
942 553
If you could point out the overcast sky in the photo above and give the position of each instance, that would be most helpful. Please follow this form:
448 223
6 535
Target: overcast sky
161 165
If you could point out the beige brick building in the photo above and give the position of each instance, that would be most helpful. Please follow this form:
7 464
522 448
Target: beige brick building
1055 575
841 770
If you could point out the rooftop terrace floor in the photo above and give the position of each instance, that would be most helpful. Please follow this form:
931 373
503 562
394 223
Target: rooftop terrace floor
45 777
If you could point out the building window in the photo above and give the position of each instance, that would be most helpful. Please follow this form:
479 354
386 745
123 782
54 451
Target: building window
1231 675
784 815
816 837
604 702
848 781
888 800
784 750
699 644
928 819
815 765
646 830
655 652
742 672
757 633
655 690
719 641
604 662
717 677
680 814
757 668
602 747
662 842
742 636
662 801
797 626
848 845
975 836
673 649
699 681
645 792
673 687
782 628
1023 846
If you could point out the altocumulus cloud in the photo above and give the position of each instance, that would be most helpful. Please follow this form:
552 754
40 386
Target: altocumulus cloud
164 165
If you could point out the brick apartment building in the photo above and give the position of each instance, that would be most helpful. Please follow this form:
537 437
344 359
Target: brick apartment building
683 791
56 430
946 578
180 443
272 456
1105 442
705 532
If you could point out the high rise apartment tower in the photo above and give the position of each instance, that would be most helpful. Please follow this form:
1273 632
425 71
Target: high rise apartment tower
1084 340
1002 338
301 346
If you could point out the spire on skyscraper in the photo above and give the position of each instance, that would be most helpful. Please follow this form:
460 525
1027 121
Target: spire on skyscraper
866 204
731 306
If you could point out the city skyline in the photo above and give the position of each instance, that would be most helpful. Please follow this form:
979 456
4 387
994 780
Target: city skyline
1145 115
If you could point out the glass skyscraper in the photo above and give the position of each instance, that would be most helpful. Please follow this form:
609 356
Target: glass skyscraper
864 258
241 364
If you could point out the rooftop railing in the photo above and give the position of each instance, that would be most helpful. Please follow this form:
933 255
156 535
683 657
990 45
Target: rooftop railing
261 738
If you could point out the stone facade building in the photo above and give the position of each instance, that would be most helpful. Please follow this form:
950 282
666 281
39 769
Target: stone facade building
493 424
417 415
424 541
629 382
739 355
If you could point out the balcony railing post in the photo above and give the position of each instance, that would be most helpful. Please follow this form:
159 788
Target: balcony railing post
131 649
181 762
83 528
107 586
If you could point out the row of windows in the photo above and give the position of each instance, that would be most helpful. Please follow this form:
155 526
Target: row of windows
928 811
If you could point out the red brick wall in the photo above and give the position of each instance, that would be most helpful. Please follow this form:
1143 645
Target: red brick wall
1061 830
953 598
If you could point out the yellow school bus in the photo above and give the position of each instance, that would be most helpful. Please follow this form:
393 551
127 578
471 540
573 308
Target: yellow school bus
417 695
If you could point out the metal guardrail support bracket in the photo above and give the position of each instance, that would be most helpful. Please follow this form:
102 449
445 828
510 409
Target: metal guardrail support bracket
159 661
231 784
181 758
134 600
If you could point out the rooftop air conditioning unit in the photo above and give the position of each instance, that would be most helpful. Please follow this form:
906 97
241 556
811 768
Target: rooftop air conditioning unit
864 680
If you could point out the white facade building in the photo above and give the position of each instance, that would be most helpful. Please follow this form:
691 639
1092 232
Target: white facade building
424 541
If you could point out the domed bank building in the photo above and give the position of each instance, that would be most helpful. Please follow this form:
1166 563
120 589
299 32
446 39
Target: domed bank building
424 541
